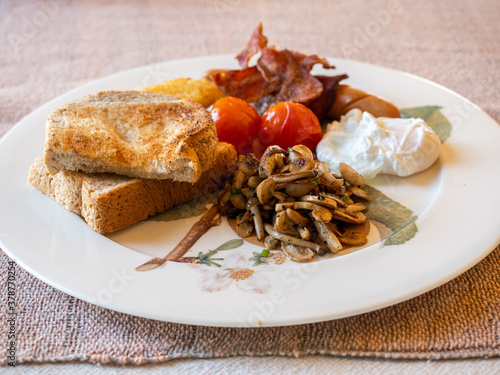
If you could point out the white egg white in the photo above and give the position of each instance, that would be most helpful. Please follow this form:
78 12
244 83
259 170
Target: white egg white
396 146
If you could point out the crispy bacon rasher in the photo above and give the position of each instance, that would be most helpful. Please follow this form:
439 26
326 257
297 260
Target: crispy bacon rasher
254 45
287 77
247 84
308 61
283 73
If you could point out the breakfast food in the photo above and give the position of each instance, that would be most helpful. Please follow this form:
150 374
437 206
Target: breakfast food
279 83
118 157
295 204
288 124
109 202
282 75
396 146
201 91
347 98
278 75
131 133
237 122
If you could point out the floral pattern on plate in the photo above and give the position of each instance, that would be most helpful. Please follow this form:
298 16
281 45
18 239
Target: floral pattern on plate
234 270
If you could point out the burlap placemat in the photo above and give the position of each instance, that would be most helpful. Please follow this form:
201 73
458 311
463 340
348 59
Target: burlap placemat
51 46
457 320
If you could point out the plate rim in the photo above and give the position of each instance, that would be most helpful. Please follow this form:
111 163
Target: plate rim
395 299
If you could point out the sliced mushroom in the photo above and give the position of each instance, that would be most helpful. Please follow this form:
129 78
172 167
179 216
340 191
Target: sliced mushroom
254 181
347 198
337 200
300 188
353 239
271 159
322 200
247 217
351 176
354 208
301 165
341 190
281 223
290 177
330 179
282 206
257 220
239 180
327 235
252 201
297 253
305 234
339 232
272 243
248 164
299 152
285 168
292 240
359 192
268 191
280 196
247 192
357 218
317 212
238 201
265 190
296 217
244 226
244 229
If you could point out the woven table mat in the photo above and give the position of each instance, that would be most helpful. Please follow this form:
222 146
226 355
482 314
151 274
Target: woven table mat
457 320
51 46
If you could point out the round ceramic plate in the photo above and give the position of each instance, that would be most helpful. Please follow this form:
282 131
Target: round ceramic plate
425 237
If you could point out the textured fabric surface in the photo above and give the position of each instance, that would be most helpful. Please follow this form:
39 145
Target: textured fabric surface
52 46
317 365
458 320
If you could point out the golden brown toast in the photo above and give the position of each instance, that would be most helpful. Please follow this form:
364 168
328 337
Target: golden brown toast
131 133
109 202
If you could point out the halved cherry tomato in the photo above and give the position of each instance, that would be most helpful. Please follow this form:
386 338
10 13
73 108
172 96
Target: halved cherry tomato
237 123
288 124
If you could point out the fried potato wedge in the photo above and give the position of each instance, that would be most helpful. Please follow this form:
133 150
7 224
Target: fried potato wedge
200 91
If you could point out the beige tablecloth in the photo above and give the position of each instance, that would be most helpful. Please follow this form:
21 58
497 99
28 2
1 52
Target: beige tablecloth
51 46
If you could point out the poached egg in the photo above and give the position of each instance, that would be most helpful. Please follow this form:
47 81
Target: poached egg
372 146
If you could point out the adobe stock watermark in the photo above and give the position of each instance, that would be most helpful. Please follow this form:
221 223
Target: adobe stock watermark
154 74
30 25
117 283
458 112
11 313
293 279
222 7
364 34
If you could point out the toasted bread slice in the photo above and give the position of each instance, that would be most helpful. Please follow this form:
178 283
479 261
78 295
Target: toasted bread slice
109 202
131 133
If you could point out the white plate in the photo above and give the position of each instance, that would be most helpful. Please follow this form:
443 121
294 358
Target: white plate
456 201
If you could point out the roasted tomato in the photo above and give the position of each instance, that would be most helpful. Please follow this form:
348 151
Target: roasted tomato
237 123
288 124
